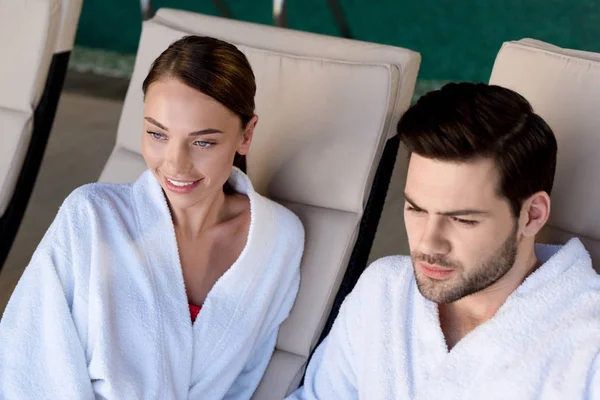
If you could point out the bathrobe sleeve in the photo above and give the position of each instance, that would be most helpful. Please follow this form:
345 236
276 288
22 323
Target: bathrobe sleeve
593 389
331 372
41 352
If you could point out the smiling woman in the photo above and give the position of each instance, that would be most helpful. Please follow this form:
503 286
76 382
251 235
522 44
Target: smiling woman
198 122
193 62
188 272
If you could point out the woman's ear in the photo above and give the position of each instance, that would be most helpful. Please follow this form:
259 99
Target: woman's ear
535 213
247 136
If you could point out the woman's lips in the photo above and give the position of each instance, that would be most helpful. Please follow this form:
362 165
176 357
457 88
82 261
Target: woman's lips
181 186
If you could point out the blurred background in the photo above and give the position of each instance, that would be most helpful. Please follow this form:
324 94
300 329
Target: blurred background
458 41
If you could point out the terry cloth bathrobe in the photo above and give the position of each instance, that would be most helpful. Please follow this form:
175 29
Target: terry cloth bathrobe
543 343
101 311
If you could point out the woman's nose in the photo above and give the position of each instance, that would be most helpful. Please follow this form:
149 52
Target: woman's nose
178 158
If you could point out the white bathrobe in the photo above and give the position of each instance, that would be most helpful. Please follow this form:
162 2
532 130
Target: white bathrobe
543 343
101 311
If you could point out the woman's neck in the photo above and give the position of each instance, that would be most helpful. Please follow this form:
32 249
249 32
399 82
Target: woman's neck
191 222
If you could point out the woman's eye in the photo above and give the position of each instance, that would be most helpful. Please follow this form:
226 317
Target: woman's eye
203 144
155 135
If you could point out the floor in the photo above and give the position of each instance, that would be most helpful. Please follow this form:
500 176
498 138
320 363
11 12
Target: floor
81 141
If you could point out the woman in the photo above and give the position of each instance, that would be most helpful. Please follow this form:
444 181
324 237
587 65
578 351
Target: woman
173 287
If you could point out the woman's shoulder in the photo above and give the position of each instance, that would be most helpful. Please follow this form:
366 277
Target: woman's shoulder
288 226
94 198
99 192
286 220
88 210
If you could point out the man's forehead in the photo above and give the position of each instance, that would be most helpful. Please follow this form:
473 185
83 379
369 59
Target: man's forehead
455 183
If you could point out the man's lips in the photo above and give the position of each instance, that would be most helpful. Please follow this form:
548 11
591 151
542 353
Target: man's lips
434 271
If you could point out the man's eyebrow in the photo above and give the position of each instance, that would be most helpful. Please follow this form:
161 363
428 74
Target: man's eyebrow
453 213
464 212
411 202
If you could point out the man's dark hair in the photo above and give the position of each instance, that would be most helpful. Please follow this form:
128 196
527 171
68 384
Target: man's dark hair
466 121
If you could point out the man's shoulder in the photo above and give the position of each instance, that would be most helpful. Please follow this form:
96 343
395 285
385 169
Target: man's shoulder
390 271
390 267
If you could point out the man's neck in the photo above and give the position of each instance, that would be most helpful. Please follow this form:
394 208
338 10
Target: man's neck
459 318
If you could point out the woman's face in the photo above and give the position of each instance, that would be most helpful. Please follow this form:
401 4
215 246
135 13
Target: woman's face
189 141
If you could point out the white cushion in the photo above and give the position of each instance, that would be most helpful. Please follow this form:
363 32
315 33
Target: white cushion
31 32
28 31
326 107
70 11
325 162
563 87
12 152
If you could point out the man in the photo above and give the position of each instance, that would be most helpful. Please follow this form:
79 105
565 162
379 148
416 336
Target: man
479 311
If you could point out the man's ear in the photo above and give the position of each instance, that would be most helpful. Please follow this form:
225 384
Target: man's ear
534 213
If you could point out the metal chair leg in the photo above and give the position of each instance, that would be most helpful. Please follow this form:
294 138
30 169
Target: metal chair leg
340 20
148 10
223 8
279 13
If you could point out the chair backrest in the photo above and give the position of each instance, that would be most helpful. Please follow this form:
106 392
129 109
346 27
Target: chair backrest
563 87
36 37
326 107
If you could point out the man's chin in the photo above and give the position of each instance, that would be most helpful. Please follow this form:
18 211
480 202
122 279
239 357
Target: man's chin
433 291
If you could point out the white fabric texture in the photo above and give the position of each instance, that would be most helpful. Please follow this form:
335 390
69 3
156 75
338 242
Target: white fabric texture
101 311
543 343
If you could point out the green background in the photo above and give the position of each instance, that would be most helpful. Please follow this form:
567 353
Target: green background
458 39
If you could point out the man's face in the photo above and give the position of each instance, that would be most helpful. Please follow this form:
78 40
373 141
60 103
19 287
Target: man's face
462 234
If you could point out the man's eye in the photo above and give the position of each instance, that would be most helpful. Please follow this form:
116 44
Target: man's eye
467 222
